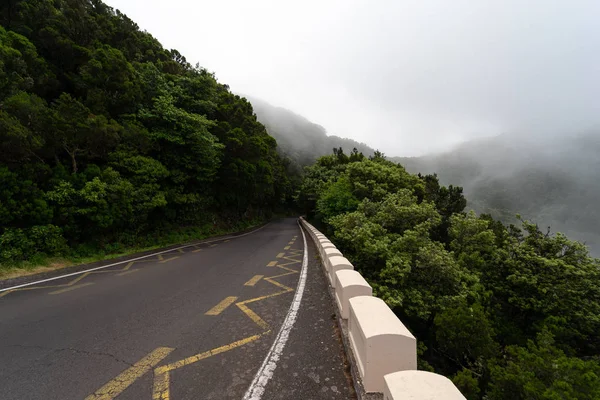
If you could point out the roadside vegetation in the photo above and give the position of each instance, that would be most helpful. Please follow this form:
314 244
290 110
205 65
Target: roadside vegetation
110 142
42 262
507 312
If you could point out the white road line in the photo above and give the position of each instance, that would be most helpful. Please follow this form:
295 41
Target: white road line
126 261
265 373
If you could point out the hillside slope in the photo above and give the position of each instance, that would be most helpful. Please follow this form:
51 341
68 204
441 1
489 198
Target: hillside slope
298 138
106 137
552 182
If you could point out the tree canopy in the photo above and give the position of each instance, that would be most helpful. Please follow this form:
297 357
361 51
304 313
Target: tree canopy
105 135
504 311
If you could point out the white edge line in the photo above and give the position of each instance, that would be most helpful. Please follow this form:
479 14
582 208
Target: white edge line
129 260
267 369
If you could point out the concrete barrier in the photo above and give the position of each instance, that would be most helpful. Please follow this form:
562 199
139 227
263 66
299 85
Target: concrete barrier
337 263
325 244
328 253
419 385
349 284
380 342
385 352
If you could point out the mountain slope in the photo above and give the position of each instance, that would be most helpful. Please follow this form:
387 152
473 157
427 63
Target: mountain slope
107 137
552 182
298 138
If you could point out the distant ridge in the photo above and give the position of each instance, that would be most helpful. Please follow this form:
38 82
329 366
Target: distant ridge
551 182
298 138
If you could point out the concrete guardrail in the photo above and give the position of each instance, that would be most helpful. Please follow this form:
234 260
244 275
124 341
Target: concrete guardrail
349 284
384 351
325 244
330 252
381 343
337 263
416 385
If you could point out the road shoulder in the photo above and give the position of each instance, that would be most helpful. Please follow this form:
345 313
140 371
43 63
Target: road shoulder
313 364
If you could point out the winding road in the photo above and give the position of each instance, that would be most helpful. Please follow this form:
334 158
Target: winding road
244 317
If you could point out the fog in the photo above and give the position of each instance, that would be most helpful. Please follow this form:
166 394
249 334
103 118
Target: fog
409 77
553 183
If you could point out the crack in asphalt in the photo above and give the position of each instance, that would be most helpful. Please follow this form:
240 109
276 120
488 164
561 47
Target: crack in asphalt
74 350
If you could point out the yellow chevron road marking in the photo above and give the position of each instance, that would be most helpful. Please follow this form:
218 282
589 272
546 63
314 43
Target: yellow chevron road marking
131 271
116 386
219 308
253 316
128 266
254 280
285 268
168 259
68 289
280 275
161 390
281 285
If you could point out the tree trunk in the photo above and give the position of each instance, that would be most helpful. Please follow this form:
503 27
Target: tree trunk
73 160
74 163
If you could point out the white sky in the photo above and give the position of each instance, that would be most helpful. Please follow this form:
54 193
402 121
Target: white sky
406 77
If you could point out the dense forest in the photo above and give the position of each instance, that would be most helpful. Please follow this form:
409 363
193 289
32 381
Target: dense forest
550 180
108 140
506 312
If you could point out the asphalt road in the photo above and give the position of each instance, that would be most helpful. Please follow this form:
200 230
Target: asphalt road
192 323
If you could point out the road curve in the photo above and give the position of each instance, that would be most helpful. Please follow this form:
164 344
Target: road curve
192 323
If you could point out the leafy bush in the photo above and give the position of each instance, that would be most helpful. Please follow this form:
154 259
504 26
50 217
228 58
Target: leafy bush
22 244
505 311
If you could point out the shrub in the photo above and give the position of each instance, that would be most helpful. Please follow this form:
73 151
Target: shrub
21 244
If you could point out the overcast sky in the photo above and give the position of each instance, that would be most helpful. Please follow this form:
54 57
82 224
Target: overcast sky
407 77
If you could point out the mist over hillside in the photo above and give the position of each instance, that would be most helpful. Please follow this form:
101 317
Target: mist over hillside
298 138
550 181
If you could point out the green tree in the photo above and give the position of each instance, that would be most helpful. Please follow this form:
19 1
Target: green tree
109 136
474 292
81 134
541 371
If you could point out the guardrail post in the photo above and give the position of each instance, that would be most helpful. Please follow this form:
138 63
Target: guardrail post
404 385
349 284
337 263
380 342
